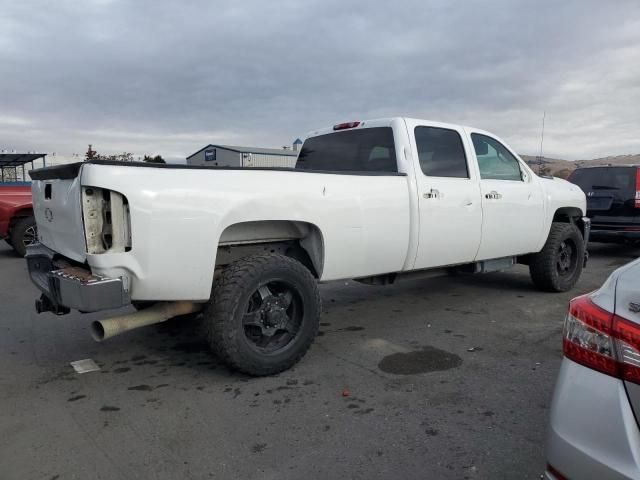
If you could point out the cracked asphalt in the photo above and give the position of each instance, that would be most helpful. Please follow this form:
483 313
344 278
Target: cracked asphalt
441 378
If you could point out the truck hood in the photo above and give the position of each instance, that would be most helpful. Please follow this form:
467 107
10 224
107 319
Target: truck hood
15 196
561 193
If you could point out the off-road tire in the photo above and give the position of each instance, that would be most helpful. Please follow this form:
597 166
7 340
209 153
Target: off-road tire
232 290
18 232
544 265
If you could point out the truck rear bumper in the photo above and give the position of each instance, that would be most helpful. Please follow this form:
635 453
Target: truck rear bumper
608 235
70 287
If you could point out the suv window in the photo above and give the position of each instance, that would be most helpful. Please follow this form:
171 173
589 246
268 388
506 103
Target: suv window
362 150
441 153
494 160
604 178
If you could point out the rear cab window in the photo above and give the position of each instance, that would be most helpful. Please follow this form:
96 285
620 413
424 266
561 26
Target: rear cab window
441 152
359 150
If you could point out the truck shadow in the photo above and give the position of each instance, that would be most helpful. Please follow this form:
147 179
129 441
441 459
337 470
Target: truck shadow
165 353
179 346
8 252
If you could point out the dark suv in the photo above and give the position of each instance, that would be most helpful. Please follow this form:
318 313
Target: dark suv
613 201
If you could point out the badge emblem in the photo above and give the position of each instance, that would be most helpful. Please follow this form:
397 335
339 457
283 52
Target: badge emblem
48 214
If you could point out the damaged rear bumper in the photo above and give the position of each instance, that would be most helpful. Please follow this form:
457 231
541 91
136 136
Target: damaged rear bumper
66 287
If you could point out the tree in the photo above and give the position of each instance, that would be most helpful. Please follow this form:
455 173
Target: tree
91 154
150 159
9 175
120 157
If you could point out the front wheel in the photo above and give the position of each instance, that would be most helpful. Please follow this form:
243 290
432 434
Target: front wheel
263 314
557 267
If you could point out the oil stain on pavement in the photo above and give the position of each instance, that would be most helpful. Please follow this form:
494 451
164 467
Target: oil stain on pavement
427 359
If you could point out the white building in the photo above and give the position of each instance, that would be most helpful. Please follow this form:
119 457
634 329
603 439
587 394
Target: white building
234 156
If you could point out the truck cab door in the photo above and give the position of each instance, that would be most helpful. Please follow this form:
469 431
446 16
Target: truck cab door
448 196
512 201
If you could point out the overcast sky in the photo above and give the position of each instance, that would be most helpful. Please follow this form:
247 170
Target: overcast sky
169 77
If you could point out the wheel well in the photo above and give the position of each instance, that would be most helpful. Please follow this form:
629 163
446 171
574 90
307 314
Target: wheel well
570 215
25 212
299 240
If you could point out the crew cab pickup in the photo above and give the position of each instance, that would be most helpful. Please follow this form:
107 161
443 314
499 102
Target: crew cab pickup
370 200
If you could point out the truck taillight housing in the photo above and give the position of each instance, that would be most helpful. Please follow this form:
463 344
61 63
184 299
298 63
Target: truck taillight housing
637 199
601 340
107 221
346 125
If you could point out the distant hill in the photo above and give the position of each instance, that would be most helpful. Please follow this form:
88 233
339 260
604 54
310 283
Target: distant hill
562 168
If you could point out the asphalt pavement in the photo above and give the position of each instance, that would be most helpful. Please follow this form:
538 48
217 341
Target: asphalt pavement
440 378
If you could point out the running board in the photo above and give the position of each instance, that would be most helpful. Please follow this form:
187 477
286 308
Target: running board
483 266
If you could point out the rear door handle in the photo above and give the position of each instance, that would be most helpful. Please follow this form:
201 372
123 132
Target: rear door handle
493 195
434 193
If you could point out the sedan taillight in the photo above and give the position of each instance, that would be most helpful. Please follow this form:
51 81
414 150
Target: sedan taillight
601 340
637 199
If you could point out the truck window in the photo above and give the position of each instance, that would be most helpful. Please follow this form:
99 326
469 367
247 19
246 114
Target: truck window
494 160
362 150
441 153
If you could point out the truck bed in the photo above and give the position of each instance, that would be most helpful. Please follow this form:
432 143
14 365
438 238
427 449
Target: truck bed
178 214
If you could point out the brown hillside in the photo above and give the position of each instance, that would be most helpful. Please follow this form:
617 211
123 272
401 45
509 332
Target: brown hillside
562 168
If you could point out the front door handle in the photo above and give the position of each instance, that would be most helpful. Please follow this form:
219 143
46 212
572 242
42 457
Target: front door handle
434 193
493 195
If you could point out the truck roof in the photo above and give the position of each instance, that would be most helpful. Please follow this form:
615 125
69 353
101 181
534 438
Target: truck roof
387 121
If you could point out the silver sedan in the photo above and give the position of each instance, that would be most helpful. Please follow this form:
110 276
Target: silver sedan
594 426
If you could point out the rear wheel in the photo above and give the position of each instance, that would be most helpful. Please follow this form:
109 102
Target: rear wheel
557 267
23 234
263 314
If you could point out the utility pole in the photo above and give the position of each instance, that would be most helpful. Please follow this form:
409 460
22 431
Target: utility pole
540 157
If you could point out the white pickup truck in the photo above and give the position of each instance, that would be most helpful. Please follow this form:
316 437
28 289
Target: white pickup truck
370 201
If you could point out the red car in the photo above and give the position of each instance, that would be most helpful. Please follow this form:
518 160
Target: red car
17 225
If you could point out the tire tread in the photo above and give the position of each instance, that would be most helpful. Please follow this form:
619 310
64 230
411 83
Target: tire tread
222 329
17 233
542 266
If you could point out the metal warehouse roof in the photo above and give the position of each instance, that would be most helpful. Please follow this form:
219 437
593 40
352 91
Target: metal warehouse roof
258 151
18 159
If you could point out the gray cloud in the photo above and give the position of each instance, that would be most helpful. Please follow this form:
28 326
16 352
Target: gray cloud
168 77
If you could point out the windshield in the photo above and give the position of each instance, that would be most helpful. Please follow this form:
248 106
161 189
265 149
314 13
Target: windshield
362 150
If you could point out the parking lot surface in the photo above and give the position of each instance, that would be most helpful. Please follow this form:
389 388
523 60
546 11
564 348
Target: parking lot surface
447 377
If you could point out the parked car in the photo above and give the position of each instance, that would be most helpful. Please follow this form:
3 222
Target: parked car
613 201
17 224
369 200
594 431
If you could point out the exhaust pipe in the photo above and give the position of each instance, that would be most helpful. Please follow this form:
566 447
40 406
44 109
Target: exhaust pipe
158 313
